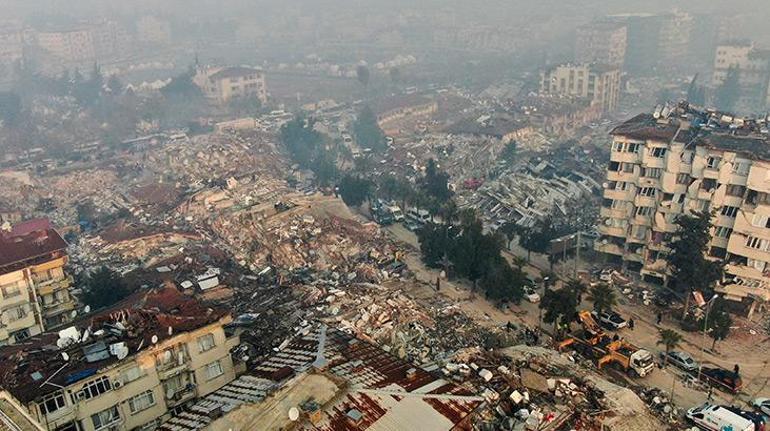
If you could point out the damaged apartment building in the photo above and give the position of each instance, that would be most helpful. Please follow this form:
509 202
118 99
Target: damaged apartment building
34 288
128 367
680 159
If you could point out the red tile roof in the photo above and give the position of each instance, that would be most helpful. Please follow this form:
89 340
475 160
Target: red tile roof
27 246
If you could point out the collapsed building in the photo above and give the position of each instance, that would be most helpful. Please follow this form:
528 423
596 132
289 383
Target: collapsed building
124 367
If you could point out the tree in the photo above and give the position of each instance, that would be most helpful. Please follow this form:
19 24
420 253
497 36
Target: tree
103 288
696 94
670 339
367 131
435 183
436 241
301 140
719 322
728 93
559 305
537 238
503 283
603 296
449 212
182 86
10 108
354 190
689 268
577 287
509 152
362 74
114 85
509 229
245 106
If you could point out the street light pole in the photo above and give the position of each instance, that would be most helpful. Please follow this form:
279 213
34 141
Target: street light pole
540 309
703 337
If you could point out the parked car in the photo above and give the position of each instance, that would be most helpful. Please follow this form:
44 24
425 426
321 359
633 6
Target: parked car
762 405
757 418
681 360
412 225
723 379
531 295
610 319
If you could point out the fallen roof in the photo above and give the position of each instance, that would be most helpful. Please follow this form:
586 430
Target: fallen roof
644 126
28 244
384 391
24 367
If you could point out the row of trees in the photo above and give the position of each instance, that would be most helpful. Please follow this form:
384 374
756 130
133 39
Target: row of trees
308 148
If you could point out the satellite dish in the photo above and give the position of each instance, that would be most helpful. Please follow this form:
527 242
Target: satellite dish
87 309
293 414
154 339
74 313
86 334
122 352
65 356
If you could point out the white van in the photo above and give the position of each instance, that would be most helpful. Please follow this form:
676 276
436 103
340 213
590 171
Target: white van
711 417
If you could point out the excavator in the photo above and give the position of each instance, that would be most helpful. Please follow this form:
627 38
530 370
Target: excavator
593 343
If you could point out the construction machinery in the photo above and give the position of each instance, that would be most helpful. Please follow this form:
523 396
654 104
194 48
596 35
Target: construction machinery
593 343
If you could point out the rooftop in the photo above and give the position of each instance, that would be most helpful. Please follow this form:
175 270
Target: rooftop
695 126
496 126
234 72
37 365
356 386
27 243
388 104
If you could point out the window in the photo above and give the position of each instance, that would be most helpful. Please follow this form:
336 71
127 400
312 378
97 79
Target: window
722 232
651 172
93 389
52 402
20 335
131 374
760 220
105 418
687 157
682 179
618 205
143 401
16 313
713 162
741 168
735 190
757 243
647 191
10 290
206 342
627 168
658 152
621 185
645 211
729 211
214 370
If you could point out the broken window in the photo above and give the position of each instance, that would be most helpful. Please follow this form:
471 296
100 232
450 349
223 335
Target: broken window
683 179
647 191
214 370
708 184
105 418
712 162
93 389
741 168
645 211
52 402
735 190
651 172
658 152
627 167
722 232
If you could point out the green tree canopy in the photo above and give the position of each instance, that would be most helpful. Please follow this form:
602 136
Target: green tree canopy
537 238
102 288
560 306
719 321
436 182
503 283
603 296
10 108
367 131
354 190
670 339
689 268
509 152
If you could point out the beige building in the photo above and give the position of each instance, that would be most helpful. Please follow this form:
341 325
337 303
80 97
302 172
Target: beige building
679 160
68 46
126 368
753 68
34 287
223 84
598 83
601 42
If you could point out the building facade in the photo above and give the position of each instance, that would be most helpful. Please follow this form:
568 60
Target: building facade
753 68
221 85
601 42
127 368
68 46
679 160
34 286
600 84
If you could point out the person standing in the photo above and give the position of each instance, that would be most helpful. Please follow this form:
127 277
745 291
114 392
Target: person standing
660 317
631 323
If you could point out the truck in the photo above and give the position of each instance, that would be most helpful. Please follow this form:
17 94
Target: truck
595 344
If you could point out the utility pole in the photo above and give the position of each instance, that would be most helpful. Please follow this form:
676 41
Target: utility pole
577 255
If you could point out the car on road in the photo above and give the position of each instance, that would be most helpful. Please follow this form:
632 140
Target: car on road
610 319
762 405
681 360
722 379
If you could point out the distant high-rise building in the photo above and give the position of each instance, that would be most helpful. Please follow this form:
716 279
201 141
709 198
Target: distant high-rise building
150 29
598 83
74 45
601 42
656 41
752 66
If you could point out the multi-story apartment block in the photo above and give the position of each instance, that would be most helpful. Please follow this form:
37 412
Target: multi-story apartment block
153 30
601 42
598 83
679 160
223 84
753 68
126 368
34 288
74 45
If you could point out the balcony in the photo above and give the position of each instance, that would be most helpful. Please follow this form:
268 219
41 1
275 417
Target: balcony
645 201
629 177
613 213
181 395
51 285
613 231
620 195
642 221
609 248
624 157
658 266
